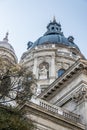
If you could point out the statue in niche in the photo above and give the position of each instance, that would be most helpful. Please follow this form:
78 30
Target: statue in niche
43 71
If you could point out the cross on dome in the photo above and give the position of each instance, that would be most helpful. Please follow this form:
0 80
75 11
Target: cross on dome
54 19
6 37
53 27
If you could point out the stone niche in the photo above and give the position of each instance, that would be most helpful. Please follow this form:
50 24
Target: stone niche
43 71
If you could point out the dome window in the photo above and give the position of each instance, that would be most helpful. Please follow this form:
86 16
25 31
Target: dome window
73 53
57 29
60 72
52 28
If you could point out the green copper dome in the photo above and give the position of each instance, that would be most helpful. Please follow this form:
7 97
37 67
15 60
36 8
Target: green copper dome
54 36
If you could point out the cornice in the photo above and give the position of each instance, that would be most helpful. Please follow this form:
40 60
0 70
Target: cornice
31 108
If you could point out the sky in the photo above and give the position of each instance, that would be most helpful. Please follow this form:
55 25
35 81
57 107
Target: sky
26 20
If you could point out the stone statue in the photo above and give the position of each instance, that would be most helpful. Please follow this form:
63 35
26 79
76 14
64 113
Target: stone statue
43 72
29 44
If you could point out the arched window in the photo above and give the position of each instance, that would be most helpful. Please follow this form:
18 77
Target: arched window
60 72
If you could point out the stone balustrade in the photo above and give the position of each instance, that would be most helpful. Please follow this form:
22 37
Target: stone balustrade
57 110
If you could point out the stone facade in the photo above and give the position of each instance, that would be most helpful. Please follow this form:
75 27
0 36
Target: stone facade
59 98
61 81
53 58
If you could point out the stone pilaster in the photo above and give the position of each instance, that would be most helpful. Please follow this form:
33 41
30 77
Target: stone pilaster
53 67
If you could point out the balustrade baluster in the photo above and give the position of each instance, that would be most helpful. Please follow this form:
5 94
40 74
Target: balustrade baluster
58 111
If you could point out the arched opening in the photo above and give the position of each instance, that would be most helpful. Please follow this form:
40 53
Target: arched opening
60 72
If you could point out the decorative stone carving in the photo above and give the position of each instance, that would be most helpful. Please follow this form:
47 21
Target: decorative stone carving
65 66
33 89
71 39
80 95
29 44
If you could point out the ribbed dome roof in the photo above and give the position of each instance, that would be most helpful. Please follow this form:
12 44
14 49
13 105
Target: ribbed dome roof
54 36
7 51
5 44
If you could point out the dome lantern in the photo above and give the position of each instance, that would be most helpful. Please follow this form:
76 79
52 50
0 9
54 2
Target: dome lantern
53 28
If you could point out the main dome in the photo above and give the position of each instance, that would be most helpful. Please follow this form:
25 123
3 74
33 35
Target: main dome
54 36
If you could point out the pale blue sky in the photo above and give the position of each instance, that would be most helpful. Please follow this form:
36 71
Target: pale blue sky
26 20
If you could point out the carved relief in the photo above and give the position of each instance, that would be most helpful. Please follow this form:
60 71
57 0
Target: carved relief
66 66
80 95
60 65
